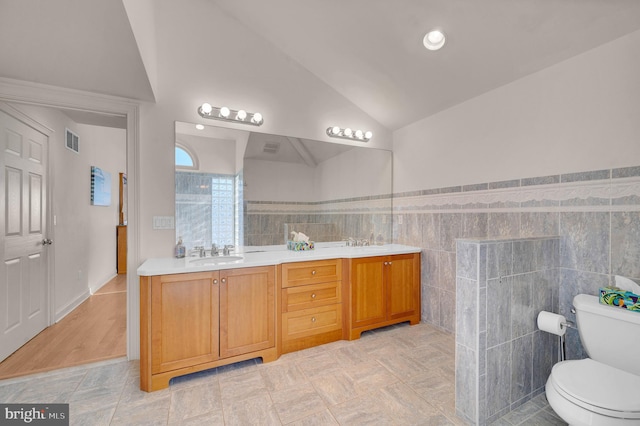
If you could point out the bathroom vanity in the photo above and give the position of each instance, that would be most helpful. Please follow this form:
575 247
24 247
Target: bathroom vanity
201 313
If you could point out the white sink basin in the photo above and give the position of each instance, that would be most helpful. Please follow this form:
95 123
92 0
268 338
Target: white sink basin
215 260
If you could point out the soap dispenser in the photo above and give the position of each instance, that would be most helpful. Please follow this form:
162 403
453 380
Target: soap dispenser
180 250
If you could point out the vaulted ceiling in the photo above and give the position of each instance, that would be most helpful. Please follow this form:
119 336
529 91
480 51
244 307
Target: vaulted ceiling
370 51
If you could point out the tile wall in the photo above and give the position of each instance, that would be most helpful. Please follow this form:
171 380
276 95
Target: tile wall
265 222
502 359
596 214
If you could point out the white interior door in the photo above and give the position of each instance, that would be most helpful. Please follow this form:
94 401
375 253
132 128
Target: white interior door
24 295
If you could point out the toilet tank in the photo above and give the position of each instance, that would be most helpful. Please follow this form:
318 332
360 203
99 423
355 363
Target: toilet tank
609 334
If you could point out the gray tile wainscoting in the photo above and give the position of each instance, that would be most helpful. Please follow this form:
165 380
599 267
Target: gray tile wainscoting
595 214
503 360
334 220
598 239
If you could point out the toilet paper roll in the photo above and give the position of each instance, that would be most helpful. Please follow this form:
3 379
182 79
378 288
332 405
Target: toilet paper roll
552 323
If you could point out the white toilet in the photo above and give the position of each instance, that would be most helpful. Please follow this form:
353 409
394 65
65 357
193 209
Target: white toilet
605 388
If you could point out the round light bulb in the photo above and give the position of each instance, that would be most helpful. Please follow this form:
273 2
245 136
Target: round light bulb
206 108
224 112
257 118
368 134
348 132
359 134
434 40
242 114
199 127
335 130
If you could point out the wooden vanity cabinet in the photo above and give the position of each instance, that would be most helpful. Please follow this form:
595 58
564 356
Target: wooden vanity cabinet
184 321
385 290
312 309
196 321
247 310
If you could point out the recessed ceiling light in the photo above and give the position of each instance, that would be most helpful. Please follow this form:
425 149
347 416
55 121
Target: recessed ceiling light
434 40
199 127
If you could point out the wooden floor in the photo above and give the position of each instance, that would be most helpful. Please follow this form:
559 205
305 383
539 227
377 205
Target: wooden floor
94 331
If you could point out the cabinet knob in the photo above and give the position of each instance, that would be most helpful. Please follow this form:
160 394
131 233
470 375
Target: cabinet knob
313 295
313 272
215 281
313 319
389 263
224 280
386 263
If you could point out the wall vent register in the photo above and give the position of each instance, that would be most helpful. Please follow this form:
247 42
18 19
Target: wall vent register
72 141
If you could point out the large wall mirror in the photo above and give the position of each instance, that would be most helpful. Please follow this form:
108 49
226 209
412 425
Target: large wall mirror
252 189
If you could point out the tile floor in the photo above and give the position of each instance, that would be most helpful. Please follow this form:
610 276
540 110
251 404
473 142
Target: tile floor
398 375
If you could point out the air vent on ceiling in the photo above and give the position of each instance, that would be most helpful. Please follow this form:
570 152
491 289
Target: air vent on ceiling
72 141
271 147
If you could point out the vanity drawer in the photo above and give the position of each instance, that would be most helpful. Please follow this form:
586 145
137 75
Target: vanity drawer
310 296
303 273
309 322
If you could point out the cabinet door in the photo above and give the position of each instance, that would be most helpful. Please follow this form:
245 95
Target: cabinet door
247 310
184 320
403 278
368 291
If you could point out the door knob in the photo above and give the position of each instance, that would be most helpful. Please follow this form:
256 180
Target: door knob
47 242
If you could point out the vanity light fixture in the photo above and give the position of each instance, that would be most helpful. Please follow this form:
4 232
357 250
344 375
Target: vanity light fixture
348 133
225 114
434 39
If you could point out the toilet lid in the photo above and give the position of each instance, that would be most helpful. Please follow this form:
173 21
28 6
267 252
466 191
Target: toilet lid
599 387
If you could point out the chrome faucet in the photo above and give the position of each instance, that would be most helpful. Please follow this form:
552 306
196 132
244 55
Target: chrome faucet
226 249
214 250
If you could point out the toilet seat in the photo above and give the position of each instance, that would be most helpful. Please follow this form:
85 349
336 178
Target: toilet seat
598 387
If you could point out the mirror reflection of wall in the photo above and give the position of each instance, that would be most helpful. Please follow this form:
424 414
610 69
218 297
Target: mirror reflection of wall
329 191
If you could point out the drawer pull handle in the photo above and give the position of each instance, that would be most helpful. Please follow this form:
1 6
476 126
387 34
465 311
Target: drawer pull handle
313 272
313 295
215 281
313 319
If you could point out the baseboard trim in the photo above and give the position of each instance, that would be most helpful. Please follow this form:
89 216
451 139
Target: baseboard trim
94 288
72 305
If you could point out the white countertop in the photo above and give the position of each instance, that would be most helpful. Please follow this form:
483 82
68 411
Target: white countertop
268 255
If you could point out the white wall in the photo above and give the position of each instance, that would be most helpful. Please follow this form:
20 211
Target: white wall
278 181
106 148
579 115
354 173
237 69
84 235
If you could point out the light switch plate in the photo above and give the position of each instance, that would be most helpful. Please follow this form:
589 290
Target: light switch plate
164 222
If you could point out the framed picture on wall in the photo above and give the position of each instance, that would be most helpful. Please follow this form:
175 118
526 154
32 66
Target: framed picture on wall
100 187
